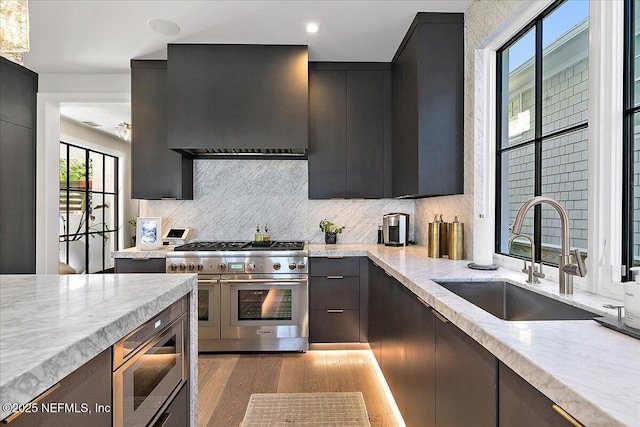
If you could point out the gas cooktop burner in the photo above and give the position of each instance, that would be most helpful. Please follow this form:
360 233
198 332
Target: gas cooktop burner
241 246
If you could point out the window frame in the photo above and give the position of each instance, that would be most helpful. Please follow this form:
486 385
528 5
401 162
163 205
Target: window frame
114 233
538 139
628 140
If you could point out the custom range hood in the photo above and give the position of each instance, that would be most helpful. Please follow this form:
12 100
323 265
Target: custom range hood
238 100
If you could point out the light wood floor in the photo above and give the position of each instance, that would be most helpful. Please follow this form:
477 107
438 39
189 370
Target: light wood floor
226 381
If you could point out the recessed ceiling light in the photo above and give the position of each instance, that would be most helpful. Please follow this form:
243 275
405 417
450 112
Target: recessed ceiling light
163 26
312 27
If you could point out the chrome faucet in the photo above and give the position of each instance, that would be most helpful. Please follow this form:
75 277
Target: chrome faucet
532 271
566 270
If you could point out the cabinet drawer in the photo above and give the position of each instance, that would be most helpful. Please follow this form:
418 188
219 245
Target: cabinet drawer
341 293
334 326
349 266
142 265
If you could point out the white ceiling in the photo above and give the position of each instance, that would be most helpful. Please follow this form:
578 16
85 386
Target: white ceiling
101 36
106 115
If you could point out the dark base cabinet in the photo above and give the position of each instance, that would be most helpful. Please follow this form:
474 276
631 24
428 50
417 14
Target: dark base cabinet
64 407
338 298
437 374
140 265
520 404
465 380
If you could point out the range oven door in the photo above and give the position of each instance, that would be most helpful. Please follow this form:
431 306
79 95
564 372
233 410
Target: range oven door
208 307
264 307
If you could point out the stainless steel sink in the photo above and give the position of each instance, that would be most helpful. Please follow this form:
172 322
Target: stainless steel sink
510 302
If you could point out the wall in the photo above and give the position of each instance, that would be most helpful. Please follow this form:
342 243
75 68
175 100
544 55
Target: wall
231 196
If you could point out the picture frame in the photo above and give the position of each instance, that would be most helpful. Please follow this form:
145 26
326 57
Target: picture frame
149 233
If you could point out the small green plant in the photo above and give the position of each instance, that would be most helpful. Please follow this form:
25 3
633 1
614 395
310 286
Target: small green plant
77 170
328 227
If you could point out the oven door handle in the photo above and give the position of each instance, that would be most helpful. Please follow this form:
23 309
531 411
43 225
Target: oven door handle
263 280
208 281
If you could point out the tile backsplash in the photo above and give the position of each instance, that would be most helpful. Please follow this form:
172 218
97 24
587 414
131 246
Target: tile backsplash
231 196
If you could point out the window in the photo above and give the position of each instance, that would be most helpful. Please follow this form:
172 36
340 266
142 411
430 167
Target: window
543 129
631 143
88 208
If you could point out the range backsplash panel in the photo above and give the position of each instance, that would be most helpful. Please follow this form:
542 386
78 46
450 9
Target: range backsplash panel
231 196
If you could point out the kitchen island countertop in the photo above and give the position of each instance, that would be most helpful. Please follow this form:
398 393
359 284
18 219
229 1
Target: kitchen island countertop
51 325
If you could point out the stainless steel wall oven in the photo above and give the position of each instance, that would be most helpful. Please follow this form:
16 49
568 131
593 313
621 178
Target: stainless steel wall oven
149 367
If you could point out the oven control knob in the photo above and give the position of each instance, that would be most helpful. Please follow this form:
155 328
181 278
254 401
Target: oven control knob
200 267
182 267
292 266
222 266
251 266
276 266
301 265
191 266
173 267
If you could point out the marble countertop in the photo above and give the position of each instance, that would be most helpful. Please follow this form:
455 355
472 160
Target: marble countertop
51 325
139 253
590 371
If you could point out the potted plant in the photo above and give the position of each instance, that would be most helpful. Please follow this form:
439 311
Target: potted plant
330 230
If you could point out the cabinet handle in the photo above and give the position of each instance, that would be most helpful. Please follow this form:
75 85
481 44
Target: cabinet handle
162 421
335 277
566 416
140 259
335 311
440 316
36 400
335 256
423 302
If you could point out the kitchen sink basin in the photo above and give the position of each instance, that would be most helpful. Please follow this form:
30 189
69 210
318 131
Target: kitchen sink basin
510 302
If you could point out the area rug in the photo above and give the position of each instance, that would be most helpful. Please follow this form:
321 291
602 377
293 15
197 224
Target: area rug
306 409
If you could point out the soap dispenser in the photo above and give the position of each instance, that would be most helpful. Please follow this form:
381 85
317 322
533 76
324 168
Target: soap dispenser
632 301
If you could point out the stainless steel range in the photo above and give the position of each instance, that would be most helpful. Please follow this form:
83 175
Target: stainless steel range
251 296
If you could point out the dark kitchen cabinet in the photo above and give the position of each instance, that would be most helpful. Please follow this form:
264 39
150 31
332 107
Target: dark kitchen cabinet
349 130
246 97
427 106
437 374
420 363
523 405
156 171
140 265
88 385
338 300
465 379
18 88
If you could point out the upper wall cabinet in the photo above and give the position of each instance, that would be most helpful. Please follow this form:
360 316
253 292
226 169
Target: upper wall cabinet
427 104
229 99
156 171
349 130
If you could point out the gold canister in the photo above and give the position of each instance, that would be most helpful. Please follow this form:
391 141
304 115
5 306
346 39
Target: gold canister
434 238
456 239
444 240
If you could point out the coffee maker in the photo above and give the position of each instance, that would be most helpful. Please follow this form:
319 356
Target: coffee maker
395 229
